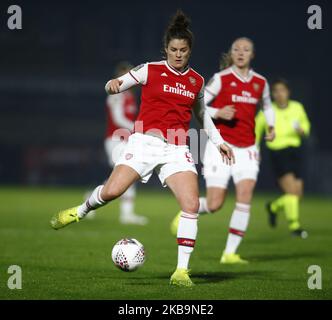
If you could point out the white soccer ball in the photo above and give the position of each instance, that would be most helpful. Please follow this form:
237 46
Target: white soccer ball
128 254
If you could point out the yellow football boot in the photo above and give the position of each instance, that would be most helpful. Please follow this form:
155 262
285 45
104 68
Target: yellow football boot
181 278
232 258
64 217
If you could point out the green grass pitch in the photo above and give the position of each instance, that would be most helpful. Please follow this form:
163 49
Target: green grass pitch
75 262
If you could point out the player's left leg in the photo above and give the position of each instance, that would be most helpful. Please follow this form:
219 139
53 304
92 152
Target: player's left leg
239 221
114 148
122 177
184 186
244 173
293 189
217 175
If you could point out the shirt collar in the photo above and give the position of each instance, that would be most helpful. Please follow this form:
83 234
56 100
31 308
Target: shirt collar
240 77
177 72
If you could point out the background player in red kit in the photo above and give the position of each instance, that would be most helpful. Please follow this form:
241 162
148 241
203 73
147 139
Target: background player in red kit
233 94
122 110
171 90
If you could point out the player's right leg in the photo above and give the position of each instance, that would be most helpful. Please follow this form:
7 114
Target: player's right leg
214 200
119 181
184 186
217 175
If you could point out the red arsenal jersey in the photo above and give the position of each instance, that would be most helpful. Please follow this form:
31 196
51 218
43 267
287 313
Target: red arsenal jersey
229 88
167 98
121 110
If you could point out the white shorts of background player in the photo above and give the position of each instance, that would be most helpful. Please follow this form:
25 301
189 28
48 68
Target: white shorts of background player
218 174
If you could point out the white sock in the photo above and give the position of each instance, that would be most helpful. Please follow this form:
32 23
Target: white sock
186 237
203 208
127 202
93 202
237 227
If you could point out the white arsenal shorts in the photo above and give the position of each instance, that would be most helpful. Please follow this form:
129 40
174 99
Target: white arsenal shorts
217 173
145 153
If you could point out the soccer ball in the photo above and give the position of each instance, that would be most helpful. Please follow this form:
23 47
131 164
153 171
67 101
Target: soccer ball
128 254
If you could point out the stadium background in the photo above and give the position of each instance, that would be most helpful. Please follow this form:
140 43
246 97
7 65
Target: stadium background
52 122
53 71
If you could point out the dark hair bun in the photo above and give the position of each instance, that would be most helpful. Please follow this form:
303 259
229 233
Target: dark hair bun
178 28
179 21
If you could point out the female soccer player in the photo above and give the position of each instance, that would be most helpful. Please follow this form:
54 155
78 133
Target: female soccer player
291 126
233 94
170 91
121 111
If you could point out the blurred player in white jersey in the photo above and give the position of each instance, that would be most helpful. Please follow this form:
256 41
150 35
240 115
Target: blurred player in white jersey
231 97
122 111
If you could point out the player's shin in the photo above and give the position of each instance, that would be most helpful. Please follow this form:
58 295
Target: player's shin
238 226
278 204
127 202
186 237
292 211
93 202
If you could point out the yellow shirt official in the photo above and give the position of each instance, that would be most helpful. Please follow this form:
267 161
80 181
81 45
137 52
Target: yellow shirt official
286 120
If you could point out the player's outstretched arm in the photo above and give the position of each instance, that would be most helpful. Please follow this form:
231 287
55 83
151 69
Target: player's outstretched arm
113 86
120 84
136 76
206 122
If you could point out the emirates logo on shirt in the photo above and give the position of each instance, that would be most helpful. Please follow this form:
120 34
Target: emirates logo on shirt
245 98
179 89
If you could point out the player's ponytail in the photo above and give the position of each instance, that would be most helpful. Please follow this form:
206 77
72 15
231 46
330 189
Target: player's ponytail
178 28
226 60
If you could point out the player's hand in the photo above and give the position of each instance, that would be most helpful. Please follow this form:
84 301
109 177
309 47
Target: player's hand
226 113
113 86
270 134
227 154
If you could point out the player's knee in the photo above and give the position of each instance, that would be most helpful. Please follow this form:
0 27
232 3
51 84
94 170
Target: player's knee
191 205
214 204
244 195
111 192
